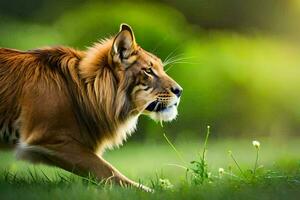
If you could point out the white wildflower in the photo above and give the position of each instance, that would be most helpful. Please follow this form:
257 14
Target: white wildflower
256 144
165 184
221 171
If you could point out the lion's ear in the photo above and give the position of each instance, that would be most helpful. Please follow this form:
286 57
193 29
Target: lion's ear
123 44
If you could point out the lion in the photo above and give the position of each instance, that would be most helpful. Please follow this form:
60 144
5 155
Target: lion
63 107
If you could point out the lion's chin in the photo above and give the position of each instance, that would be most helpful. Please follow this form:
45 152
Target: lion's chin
167 114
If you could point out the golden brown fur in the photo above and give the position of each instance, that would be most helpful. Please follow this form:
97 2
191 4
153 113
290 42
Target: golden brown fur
62 106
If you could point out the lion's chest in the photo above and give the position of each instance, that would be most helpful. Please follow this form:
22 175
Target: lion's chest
124 130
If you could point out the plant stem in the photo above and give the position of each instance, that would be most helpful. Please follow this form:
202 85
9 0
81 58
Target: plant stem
205 143
174 148
179 166
236 163
256 161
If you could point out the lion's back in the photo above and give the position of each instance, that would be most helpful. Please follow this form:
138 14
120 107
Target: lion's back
31 76
11 84
22 73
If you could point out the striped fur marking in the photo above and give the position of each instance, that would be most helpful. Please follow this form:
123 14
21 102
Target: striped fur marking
9 133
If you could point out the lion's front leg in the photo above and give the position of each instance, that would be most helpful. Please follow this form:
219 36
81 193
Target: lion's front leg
83 162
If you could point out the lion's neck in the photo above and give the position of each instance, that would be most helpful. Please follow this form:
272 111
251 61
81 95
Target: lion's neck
105 97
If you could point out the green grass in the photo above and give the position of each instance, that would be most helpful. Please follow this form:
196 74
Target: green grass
150 162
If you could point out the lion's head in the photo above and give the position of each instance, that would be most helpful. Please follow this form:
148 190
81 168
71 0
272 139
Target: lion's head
151 90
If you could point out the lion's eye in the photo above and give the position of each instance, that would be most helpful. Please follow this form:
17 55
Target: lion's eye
148 71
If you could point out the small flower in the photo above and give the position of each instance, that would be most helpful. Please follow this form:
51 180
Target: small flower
221 171
165 184
256 144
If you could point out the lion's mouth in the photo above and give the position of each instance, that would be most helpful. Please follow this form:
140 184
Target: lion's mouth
157 106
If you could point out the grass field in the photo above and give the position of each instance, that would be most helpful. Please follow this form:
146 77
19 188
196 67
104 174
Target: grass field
150 162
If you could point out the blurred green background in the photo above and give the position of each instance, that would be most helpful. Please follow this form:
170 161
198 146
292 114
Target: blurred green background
239 61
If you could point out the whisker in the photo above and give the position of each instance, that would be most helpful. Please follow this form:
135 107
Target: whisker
159 44
177 59
170 59
166 70
181 61
137 108
170 54
156 106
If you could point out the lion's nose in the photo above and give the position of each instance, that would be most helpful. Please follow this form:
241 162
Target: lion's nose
177 91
